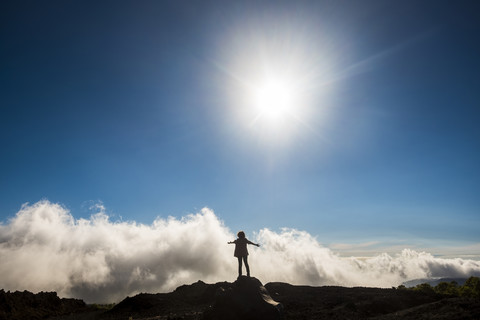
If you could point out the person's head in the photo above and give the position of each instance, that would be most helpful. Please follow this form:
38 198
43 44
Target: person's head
241 234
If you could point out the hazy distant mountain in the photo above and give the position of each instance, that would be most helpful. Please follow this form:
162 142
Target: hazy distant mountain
433 281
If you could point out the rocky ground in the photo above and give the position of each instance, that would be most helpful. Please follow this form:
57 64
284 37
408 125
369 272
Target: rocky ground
304 302
244 298
28 306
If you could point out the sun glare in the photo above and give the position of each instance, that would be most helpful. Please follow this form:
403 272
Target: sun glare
274 99
275 78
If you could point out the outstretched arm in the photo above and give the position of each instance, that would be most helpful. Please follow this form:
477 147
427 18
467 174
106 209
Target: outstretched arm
255 244
230 242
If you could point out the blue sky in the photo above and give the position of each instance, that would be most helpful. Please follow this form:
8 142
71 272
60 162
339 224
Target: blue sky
142 106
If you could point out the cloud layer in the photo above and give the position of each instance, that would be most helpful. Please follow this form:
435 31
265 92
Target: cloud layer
43 248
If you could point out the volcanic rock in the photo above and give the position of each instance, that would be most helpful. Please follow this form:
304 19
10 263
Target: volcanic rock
28 306
247 299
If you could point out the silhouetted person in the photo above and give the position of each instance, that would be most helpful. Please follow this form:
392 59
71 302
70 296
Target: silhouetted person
241 251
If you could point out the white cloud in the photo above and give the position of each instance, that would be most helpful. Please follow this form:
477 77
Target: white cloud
298 258
43 248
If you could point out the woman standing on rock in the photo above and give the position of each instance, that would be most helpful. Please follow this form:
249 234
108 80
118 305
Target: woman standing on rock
241 251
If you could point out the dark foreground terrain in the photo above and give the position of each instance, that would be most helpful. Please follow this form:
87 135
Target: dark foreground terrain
248 299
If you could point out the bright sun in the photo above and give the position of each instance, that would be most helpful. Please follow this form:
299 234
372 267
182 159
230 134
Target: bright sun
274 99
275 77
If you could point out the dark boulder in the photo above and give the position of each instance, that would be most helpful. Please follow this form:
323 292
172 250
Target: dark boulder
247 299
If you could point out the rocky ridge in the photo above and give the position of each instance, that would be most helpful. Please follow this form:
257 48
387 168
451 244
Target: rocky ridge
248 299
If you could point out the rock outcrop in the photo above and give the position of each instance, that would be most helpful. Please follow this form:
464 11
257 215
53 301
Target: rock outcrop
29 306
247 299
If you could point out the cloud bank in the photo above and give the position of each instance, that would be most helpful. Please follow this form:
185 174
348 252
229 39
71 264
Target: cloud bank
43 248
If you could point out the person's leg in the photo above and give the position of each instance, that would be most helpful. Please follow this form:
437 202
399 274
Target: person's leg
245 260
240 266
